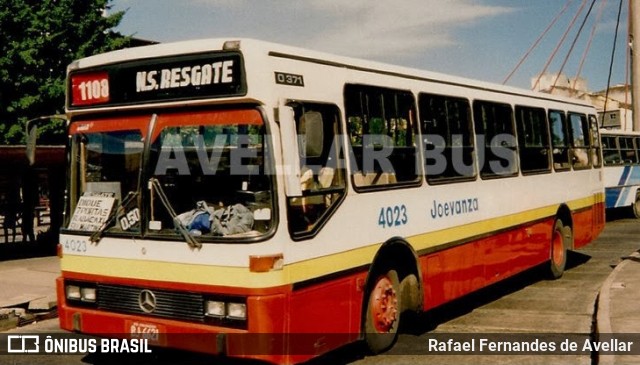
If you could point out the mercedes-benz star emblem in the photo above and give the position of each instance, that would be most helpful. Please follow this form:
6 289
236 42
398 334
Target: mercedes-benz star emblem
147 301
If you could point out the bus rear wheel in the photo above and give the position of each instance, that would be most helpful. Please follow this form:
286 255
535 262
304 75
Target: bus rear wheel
382 313
560 242
636 206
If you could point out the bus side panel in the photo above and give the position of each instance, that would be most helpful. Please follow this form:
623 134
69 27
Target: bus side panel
460 270
587 224
613 196
325 316
600 218
621 184
450 274
514 251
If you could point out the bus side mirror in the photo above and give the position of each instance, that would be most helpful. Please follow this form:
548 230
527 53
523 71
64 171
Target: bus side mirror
32 135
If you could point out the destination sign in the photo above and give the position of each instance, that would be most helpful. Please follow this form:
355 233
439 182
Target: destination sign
211 75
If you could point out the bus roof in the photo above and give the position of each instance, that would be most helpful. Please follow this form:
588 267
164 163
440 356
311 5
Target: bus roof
258 47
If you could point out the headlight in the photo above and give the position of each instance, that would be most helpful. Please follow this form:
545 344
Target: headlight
221 310
81 293
237 310
73 292
88 295
214 308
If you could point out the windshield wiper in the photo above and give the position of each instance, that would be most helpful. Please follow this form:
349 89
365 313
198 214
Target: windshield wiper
191 241
97 235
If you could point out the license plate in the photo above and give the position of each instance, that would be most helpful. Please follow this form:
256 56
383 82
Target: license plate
149 331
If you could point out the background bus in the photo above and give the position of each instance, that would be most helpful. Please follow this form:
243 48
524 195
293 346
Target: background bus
621 151
277 203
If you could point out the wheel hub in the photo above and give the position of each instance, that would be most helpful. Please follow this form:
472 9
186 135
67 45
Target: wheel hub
558 248
385 305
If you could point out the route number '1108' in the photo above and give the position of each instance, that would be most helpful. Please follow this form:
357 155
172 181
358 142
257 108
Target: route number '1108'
91 88
393 216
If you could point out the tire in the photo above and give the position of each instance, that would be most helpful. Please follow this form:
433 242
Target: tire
382 313
636 206
560 242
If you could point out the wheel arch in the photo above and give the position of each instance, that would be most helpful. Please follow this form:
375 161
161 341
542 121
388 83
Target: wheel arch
565 215
397 254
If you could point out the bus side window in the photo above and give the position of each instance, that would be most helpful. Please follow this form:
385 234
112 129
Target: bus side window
382 130
322 174
579 141
595 141
627 150
610 151
496 139
447 137
533 139
559 140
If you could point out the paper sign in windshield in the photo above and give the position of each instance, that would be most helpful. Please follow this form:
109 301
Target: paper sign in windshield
91 213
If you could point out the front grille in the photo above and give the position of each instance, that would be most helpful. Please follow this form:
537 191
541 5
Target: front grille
169 304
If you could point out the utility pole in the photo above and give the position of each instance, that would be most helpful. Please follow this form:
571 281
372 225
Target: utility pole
634 37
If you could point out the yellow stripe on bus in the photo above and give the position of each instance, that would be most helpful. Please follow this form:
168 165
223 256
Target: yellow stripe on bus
171 271
303 270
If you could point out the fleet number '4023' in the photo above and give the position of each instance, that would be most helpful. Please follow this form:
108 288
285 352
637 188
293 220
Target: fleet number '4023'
74 245
393 216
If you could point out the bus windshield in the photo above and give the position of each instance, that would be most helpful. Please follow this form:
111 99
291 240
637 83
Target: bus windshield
204 176
106 162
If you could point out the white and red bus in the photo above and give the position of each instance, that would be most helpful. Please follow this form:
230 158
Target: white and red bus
261 201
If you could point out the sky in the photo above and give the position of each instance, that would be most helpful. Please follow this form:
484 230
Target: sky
479 39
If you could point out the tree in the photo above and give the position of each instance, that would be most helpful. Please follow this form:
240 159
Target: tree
38 39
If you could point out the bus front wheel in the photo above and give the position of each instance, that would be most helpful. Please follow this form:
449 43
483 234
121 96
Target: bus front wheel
560 242
382 313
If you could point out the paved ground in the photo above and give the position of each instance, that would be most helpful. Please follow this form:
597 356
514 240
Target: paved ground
619 306
27 290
